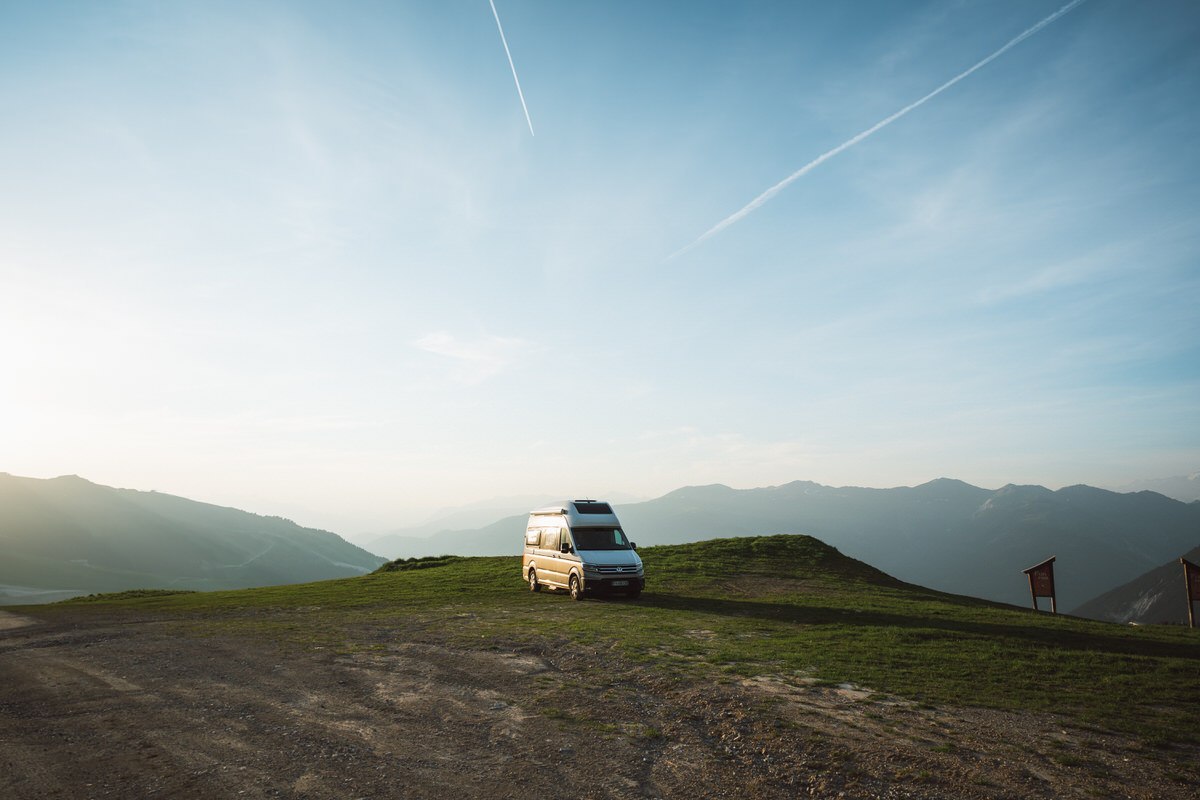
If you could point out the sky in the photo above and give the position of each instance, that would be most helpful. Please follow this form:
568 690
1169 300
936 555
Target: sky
313 259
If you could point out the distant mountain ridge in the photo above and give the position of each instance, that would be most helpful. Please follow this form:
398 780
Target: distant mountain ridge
1185 488
1155 597
949 535
944 534
67 536
467 517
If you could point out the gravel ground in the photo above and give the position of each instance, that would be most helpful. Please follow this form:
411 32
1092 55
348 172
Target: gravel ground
100 706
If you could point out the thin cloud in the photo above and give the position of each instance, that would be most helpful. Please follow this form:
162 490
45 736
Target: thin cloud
476 360
516 80
757 202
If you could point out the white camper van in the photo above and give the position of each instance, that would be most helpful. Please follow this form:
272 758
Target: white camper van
579 546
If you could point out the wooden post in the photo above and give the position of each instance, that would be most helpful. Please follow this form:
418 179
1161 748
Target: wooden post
1191 580
1041 583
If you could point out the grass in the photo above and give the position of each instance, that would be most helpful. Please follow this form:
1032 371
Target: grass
779 605
424 562
129 594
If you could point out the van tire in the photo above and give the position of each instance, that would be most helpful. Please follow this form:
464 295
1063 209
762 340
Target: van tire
576 589
534 586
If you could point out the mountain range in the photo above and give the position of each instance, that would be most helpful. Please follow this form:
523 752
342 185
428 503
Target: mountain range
67 536
1116 552
945 534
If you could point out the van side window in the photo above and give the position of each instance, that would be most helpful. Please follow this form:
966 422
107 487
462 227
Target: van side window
564 535
550 538
532 536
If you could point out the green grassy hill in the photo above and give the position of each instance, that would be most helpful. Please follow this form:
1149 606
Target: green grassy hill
787 606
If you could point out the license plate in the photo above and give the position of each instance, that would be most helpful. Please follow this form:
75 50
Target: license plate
620 583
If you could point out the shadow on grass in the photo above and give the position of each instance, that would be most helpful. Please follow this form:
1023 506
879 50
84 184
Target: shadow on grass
1055 637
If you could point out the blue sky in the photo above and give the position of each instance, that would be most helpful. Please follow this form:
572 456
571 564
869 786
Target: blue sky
307 259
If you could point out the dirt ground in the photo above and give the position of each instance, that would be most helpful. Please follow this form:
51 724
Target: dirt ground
108 707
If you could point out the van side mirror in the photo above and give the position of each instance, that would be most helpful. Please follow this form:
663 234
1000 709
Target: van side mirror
633 545
565 547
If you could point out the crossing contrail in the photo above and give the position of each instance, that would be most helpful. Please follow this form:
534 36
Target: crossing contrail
846 145
516 80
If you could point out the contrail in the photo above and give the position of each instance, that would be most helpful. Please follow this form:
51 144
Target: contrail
517 80
846 145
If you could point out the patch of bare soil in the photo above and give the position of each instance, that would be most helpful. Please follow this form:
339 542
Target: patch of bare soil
118 709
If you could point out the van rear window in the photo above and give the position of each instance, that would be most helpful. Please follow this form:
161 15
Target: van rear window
593 508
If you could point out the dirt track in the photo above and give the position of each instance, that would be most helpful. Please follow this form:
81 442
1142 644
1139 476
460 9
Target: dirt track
108 707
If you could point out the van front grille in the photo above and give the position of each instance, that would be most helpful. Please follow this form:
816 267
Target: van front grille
630 570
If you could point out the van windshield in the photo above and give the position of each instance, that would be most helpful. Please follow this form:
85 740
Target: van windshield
599 539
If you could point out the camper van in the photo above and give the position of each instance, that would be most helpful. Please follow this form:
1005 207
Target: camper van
579 546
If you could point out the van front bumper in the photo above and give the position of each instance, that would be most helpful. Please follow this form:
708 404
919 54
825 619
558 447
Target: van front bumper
614 584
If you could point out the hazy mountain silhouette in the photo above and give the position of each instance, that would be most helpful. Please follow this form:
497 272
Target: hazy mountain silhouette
1180 487
501 538
944 534
68 535
412 540
1157 596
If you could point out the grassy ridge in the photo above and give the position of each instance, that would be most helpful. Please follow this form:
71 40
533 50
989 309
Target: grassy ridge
779 605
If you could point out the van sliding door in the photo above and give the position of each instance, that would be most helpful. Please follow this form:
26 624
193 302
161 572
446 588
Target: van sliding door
550 559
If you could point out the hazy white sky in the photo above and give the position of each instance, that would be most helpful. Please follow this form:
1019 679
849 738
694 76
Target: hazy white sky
307 259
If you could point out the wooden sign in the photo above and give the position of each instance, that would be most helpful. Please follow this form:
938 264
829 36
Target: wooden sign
1191 577
1191 574
1041 583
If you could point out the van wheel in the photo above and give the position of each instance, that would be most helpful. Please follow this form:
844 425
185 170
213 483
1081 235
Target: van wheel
534 586
576 589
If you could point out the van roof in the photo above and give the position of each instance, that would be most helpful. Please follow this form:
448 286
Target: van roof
581 513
